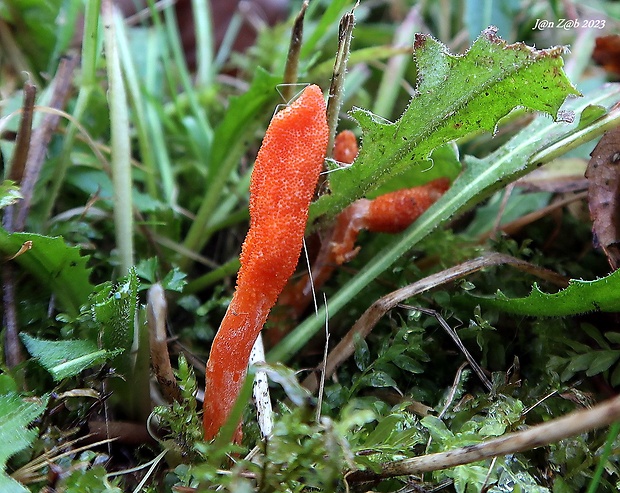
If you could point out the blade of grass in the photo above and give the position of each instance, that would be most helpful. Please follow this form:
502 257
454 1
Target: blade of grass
614 430
172 33
212 277
204 43
233 136
226 46
164 48
121 145
153 118
395 69
137 98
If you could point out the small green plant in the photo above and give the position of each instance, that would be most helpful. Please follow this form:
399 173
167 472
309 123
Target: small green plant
181 419
132 156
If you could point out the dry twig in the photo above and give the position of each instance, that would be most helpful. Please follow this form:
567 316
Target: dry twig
537 436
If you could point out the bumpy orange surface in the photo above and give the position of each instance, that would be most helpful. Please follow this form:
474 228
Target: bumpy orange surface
283 182
345 147
395 211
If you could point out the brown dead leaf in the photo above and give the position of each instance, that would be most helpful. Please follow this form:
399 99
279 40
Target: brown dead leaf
603 174
27 245
607 53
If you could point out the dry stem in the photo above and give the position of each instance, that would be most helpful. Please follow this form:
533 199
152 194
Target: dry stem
537 436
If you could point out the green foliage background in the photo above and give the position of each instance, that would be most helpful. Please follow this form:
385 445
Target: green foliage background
474 107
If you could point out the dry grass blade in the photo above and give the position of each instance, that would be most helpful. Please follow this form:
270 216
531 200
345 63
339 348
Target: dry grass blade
22 144
42 135
517 225
292 59
28 472
156 313
553 431
336 88
13 350
379 308
13 353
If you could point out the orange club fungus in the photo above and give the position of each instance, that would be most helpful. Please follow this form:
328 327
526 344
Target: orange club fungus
283 182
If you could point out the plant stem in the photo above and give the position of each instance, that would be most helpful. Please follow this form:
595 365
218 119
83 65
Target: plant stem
121 149
291 69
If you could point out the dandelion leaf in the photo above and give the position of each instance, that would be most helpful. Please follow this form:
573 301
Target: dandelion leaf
456 95
578 297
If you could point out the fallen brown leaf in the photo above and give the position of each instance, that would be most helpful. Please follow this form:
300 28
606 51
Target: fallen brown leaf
603 174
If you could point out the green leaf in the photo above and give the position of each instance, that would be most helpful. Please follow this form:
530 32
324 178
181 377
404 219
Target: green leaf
382 431
114 309
37 35
407 363
437 428
241 112
515 477
469 478
377 378
613 337
362 354
287 378
9 193
518 205
65 359
603 361
578 297
455 96
92 480
232 137
15 433
58 266
393 432
175 280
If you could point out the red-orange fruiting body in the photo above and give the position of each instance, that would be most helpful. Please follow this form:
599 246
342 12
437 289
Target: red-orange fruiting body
395 211
283 183
345 147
